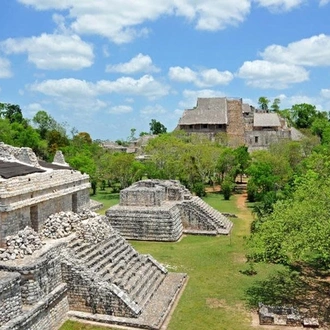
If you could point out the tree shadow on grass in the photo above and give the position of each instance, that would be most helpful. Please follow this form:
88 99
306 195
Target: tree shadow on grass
303 290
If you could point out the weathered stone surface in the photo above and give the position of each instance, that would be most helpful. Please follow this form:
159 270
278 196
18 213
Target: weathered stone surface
56 255
18 246
162 210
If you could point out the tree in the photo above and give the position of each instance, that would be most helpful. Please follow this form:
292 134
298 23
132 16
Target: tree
263 102
298 230
132 135
275 105
14 113
243 160
156 127
303 115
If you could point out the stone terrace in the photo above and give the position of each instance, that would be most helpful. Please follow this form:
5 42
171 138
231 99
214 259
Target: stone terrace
162 210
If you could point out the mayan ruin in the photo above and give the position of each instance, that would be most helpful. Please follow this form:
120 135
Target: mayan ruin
242 123
162 210
59 260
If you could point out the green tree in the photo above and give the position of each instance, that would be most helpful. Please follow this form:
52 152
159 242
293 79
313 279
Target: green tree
243 160
157 127
263 102
303 115
298 230
275 105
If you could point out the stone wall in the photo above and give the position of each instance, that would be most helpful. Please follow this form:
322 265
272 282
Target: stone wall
40 273
165 218
49 313
138 196
86 294
236 125
262 139
10 297
28 200
161 223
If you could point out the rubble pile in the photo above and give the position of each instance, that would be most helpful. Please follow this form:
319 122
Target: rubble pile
62 224
95 230
20 245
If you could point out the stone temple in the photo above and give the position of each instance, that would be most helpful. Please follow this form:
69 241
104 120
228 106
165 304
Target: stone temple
58 260
163 210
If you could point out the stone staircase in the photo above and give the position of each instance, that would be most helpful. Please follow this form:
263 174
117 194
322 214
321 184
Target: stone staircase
209 219
116 262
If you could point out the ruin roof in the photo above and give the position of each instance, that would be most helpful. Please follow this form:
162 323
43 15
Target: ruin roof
13 169
266 120
208 111
246 108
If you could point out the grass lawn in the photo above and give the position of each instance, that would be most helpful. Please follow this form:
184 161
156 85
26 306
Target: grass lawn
214 298
105 197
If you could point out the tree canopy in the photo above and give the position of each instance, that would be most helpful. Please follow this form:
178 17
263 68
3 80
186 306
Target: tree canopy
157 127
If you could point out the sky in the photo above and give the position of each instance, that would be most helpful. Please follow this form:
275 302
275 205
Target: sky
107 66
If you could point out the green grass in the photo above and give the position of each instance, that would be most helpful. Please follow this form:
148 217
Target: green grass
107 198
214 298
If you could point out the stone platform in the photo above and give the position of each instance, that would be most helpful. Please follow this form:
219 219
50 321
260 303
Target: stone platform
162 210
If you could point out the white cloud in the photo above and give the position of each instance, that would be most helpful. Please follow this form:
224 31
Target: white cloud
265 74
155 109
145 86
120 109
80 95
190 96
105 51
202 78
185 74
121 21
66 87
324 2
289 101
280 5
212 77
213 15
314 51
5 71
139 63
52 51
74 88
325 92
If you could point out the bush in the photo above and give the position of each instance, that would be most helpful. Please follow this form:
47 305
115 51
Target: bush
252 192
227 189
199 189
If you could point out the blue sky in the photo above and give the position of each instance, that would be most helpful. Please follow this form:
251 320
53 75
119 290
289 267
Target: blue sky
106 66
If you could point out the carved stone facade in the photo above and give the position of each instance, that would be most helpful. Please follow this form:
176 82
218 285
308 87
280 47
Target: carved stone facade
162 210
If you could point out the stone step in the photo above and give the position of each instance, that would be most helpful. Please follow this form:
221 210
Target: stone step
147 278
100 252
139 278
117 262
88 248
130 273
100 259
129 259
149 288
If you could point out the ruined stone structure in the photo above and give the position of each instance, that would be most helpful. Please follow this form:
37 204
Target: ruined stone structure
162 210
283 315
89 273
243 124
30 191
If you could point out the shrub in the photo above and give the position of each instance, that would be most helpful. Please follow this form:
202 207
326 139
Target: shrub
199 189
